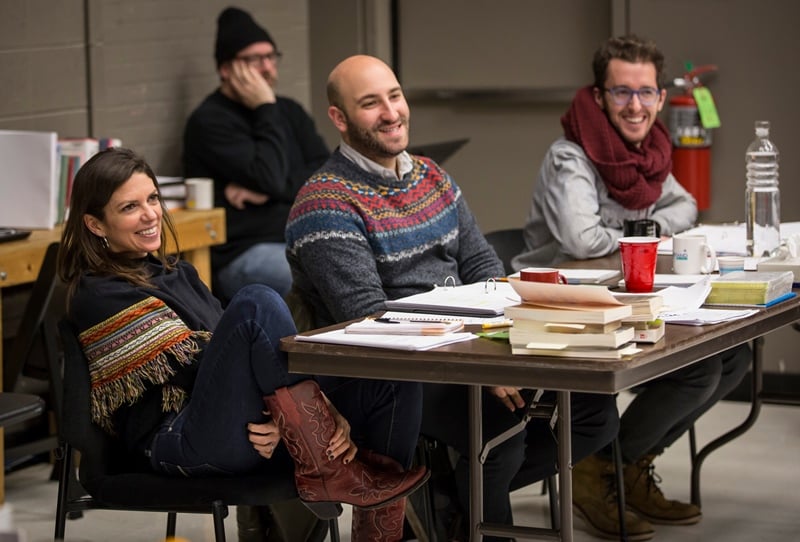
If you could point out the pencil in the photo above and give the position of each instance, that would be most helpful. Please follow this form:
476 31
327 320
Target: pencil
501 279
493 325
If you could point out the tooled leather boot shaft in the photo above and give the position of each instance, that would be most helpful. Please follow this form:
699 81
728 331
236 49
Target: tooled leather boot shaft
306 426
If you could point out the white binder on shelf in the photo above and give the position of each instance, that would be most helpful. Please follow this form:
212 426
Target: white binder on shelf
29 185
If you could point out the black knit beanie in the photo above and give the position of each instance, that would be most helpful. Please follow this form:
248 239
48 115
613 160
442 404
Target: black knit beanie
236 30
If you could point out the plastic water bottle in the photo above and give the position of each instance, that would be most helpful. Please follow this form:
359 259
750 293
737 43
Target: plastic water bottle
762 196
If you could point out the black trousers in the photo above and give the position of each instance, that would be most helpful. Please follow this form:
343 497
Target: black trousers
527 457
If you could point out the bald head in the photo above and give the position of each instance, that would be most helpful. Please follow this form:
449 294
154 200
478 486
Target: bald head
353 76
367 106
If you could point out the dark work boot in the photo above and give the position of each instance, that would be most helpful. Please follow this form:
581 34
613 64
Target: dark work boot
594 499
643 496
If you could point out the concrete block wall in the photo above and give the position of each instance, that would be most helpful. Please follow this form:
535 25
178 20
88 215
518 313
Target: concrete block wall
128 69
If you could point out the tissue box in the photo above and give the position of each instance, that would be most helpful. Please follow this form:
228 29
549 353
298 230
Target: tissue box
782 264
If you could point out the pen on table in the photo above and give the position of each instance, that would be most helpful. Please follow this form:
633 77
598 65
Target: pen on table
492 325
404 321
500 279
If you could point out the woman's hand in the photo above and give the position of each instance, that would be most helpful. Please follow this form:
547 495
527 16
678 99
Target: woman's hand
340 444
510 397
264 437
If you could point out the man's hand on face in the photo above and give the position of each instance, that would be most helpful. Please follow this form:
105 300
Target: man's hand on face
249 85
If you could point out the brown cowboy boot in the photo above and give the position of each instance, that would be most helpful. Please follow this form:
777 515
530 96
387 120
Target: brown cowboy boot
306 426
594 499
643 496
383 524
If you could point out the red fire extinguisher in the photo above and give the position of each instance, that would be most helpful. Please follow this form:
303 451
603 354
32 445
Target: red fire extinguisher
691 142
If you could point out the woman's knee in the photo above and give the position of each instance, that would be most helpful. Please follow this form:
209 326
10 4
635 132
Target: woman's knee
264 306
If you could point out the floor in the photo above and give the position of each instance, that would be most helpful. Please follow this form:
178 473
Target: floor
749 490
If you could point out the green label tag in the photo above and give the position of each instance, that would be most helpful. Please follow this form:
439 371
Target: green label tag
705 106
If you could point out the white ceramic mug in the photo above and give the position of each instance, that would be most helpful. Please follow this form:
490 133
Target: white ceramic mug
692 255
199 193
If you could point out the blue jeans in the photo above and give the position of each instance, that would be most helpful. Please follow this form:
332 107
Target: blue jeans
264 263
242 363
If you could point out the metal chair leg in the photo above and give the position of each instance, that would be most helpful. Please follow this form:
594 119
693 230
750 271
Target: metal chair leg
220 511
172 520
620 480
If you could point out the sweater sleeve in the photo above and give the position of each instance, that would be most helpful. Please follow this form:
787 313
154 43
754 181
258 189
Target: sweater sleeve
568 197
676 209
335 268
271 149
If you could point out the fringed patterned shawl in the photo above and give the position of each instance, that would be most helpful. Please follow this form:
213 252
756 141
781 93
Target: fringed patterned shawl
134 349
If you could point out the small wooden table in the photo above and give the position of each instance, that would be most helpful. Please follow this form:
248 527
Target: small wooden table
20 261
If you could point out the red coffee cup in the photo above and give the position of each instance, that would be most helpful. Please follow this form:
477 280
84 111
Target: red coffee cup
542 274
639 256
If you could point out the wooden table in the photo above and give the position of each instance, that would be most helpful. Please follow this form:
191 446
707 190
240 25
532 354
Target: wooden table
483 362
20 261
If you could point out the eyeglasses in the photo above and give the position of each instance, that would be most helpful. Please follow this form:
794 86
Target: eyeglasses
623 95
256 60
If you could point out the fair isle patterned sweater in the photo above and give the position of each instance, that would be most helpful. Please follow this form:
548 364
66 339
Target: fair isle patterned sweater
355 240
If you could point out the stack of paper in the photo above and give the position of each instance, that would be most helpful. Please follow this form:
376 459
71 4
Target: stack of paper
396 342
751 288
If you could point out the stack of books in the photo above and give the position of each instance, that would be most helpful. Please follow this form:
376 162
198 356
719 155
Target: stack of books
751 288
173 191
648 328
582 331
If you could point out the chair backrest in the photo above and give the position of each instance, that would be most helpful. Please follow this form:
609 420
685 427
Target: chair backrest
507 244
36 327
100 453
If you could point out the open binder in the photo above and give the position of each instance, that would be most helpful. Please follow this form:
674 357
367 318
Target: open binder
488 298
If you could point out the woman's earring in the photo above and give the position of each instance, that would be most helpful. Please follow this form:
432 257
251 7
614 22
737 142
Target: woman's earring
105 242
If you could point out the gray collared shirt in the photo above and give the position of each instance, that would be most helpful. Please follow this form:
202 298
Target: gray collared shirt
404 164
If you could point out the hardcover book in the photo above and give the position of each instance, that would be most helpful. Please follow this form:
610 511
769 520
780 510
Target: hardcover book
575 314
534 349
612 339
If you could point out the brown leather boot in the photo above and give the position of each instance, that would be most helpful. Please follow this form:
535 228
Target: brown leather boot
643 496
384 524
594 499
306 426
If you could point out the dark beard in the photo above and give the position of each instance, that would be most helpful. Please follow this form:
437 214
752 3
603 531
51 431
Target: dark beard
363 141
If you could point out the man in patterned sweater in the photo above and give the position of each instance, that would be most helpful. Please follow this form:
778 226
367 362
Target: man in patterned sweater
375 223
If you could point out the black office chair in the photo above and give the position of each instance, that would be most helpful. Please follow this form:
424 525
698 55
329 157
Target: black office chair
507 244
109 478
32 364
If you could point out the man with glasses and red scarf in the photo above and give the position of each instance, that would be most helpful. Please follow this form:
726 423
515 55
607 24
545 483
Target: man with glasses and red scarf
613 164
258 147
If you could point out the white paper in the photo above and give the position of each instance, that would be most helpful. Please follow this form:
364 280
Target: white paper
727 239
396 342
701 317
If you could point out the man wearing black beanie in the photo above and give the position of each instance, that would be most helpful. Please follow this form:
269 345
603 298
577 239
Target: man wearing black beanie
258 147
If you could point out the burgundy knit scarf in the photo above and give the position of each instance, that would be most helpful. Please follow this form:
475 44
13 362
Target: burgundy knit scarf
633 176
